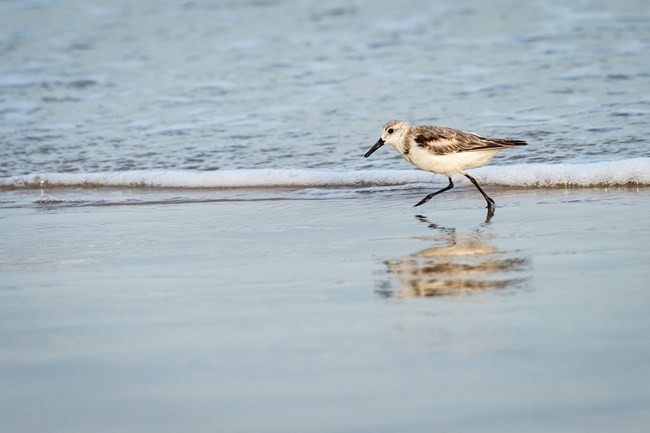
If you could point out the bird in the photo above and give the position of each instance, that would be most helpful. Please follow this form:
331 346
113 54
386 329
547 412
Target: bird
442 150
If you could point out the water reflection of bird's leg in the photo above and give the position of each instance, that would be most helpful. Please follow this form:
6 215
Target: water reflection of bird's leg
447 230
425 220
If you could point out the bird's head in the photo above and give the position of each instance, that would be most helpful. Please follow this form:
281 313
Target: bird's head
392 134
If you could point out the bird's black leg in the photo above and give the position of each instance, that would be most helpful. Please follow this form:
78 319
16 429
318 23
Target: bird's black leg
433 194
490 202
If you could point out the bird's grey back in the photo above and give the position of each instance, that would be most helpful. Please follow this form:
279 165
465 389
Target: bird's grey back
442 140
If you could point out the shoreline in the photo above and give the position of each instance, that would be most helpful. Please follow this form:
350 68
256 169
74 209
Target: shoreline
628 172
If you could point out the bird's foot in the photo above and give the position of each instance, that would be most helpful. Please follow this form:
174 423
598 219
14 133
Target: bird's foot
489 215
421 202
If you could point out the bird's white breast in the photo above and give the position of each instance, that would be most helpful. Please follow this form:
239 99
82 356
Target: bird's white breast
449 164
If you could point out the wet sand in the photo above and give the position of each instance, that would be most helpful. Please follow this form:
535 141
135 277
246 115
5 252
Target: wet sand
351 312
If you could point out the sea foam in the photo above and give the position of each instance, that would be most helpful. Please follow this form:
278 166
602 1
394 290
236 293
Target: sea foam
630 172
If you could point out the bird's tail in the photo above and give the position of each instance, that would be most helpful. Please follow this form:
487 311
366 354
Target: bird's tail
506 142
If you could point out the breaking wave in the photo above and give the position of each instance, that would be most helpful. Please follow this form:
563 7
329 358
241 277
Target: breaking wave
628 172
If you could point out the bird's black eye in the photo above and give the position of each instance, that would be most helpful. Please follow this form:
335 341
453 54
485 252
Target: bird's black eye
390 130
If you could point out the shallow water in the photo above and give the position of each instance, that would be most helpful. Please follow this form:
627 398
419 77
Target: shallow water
151 282
346 313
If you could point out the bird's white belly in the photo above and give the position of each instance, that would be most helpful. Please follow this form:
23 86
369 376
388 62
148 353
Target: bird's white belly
450 164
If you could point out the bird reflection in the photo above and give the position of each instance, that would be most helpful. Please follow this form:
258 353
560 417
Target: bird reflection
453 264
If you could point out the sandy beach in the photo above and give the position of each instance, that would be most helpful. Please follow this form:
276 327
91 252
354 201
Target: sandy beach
345 313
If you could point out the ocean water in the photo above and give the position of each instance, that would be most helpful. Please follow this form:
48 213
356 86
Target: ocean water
192 239
210 85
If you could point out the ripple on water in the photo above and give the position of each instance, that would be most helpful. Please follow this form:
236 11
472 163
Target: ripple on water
316 93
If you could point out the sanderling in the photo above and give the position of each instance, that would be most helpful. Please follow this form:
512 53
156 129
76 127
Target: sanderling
442 150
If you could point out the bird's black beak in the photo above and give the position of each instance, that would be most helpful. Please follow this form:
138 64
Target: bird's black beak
374 147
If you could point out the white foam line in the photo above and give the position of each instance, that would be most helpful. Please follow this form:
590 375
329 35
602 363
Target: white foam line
221 178
634 171
625 172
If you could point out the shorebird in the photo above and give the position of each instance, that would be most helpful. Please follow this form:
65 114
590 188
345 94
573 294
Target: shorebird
442 150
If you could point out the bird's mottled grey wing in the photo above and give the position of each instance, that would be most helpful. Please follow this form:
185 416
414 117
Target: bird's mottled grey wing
442 141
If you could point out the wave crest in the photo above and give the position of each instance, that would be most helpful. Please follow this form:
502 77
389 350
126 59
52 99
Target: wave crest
630 172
